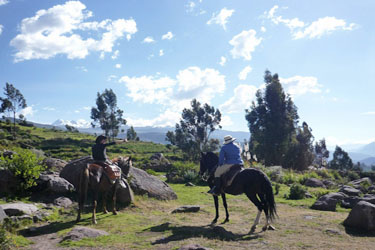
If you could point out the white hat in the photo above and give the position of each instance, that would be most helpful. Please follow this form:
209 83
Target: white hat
228 139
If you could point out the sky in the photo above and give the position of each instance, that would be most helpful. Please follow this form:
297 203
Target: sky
159 55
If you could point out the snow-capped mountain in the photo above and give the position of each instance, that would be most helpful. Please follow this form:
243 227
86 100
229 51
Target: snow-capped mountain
81 123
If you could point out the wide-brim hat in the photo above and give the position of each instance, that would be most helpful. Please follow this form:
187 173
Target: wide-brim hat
100 138
229 139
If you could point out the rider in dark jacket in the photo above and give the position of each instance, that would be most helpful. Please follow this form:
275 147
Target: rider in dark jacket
99 151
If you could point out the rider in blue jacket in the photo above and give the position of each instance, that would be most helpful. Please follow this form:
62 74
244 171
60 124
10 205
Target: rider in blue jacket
230 154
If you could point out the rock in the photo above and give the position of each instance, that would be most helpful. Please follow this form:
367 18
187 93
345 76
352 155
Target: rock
313 182
8 182
350 191
54 184
189 184
159 162
73 169
26 219
329 183
350 202
142 183
18 209
3 215
361 181
362 217
54 163
124 192
63 202
187 209
194 247
332 231
328 202
79 232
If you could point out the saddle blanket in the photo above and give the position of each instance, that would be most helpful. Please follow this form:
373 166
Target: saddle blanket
112 171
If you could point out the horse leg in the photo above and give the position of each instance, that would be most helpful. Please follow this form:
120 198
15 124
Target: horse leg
267 225
216 201
104 197
226 208
115 187
82 191
95 202
257 203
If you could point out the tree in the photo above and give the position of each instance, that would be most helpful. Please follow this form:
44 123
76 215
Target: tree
107 114
71 128
272 122
192 134
341 160
321 153
304 148
13 103
131 135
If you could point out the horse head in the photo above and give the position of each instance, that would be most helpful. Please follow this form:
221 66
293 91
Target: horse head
125 163
208 161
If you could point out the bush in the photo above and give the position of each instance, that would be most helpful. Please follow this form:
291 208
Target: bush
297 192
25 165
289 178
302 179
352 175
5 241
183 173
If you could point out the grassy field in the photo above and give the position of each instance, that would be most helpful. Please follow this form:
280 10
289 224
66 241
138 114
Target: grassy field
149 224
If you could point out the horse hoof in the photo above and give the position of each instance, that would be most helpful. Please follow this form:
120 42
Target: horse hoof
252 230
214 222
270 227
264 228
226 220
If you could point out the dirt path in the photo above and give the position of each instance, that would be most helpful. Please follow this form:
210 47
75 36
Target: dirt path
44 242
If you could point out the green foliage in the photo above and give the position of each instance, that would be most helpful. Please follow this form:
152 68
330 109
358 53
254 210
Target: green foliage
289 177
297 192
302 178
352 175
193 132
321 153
183 172
131 135
5 241
341 160
319 192
277 188
71 128
106 114
25 165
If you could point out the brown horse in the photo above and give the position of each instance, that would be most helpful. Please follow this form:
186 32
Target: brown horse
93 177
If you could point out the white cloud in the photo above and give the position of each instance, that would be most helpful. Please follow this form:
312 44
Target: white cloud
223 60
1 29
323 26
263 29
316 29
3 2
115 54
80 123
111 77
300 85
27 112
49 109
244 44
118 66
241 100
82 68
221 18
174 94
167 36
167 118
243 74
57 31
161 52
226 121
369 113
148 39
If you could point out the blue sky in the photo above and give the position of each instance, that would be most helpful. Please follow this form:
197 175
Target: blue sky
159 55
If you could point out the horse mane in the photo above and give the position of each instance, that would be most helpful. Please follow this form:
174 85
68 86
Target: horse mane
211 160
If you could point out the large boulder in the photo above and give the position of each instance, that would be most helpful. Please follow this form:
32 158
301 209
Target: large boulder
313 182
8 182
18 209
144 184
54 163
328 202
3 215
158 162
350 191
362 217
351 201
52 183
79 232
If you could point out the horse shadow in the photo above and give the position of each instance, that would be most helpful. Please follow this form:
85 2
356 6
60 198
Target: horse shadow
210 232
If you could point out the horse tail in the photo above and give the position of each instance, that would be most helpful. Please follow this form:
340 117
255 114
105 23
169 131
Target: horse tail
83 184
270 199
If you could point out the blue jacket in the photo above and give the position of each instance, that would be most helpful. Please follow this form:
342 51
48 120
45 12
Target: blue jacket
230 154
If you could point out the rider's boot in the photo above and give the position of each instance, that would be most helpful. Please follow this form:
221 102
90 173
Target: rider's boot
216 189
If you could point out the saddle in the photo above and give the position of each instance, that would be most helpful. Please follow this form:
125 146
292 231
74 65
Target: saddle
112 171
229 176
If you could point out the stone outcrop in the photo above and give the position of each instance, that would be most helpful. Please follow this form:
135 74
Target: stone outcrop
144 184
18 209
53 183
362 217
79 232
313 182
328 202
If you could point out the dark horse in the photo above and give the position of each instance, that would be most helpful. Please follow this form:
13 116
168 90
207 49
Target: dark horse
253 182
93 177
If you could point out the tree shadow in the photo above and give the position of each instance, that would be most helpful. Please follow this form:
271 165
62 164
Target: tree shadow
209 232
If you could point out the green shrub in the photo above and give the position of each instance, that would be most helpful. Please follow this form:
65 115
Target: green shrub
289 178
182 172
302 179
297 192
151 172
25 165
319 193
5 241
277 188
352 175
